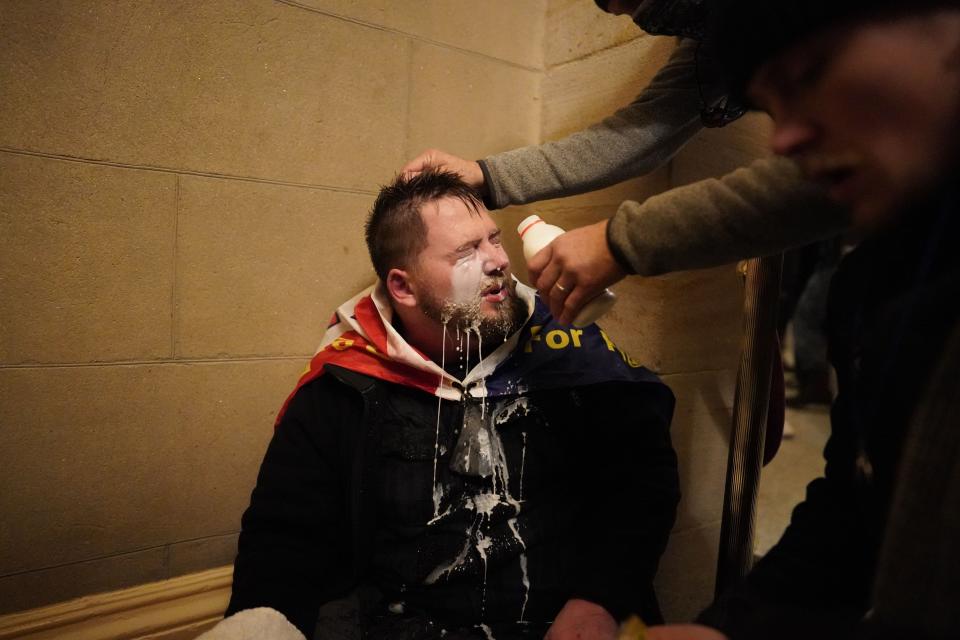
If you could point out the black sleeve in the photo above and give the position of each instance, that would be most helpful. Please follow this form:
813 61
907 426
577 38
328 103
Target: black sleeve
816 581
294 550
632 489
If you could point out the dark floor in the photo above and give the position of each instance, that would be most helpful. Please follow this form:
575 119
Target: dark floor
784 480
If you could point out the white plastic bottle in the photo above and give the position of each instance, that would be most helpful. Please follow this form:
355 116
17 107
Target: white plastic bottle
536 234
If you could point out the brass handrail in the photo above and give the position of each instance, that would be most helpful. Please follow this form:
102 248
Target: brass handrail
750 408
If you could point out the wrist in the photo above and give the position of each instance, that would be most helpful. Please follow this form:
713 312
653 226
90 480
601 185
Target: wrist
618 254
485 188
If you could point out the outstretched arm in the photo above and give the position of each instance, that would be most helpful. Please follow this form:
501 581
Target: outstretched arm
759 210
634 141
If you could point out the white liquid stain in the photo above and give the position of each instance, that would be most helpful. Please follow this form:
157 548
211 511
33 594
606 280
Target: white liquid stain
506 413
523 462
483 381
512 522
437 488
467 367
466 280
483 543
444 570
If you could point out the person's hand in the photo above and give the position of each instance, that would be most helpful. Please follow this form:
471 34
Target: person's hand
683 632
582 620
574 269
469 170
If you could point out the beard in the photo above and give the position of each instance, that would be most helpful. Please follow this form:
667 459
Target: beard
510 314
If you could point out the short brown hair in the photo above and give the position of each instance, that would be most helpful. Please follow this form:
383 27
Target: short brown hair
395 230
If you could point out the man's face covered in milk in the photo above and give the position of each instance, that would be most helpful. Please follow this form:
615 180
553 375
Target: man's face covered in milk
464 272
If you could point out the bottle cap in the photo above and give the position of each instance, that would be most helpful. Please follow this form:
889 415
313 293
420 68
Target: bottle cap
528 222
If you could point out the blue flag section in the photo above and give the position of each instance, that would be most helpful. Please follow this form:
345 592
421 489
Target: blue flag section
550 356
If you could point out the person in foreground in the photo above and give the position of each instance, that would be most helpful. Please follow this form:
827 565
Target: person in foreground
866 98
476 469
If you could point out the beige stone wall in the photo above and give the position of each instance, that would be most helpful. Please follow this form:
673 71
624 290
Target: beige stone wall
182 190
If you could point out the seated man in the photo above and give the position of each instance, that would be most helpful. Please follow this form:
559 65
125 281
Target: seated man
476 469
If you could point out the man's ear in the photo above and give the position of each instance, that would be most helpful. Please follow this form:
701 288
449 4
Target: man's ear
401 288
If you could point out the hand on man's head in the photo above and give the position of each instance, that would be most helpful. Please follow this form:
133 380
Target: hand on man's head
468 170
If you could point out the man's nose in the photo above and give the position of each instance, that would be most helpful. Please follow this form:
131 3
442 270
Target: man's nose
792 136
496 259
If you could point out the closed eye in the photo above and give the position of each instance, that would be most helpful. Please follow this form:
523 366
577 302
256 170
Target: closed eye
468 248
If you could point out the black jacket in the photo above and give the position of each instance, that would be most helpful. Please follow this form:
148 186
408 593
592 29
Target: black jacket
344 495
893 304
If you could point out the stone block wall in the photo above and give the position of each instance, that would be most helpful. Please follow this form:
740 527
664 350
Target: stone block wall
182 191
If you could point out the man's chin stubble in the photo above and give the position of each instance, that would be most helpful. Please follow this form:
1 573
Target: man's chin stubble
464 317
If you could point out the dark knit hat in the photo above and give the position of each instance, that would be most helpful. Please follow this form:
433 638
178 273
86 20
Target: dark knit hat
749 33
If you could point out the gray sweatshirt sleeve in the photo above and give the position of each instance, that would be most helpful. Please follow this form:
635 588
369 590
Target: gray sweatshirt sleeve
759 210
632 142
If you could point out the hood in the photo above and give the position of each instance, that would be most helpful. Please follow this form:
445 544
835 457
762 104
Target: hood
542 354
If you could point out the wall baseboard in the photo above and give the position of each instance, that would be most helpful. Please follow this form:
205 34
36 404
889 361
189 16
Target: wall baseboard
176 609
